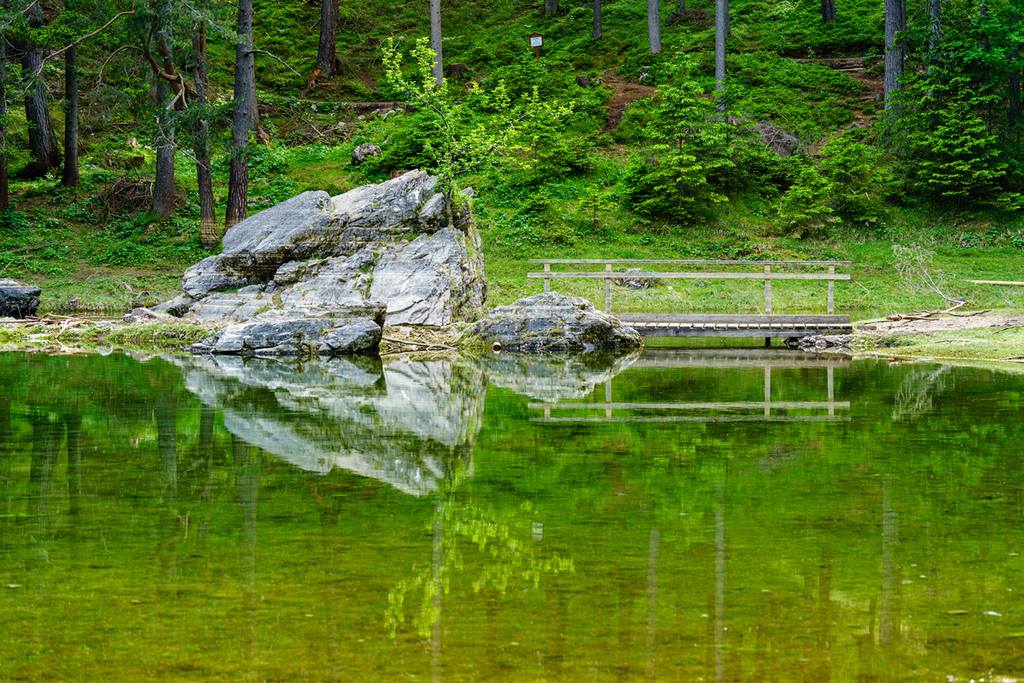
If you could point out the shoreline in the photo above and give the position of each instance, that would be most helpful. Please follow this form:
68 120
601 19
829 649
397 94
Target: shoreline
986 337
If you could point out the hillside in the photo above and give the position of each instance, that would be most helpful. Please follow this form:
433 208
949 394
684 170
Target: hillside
584 186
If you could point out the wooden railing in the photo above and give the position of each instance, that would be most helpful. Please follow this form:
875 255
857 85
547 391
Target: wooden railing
769 273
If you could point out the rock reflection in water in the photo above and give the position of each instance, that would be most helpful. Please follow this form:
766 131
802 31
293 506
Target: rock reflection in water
394 421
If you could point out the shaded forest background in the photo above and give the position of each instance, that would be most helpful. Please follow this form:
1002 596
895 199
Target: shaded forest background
626 152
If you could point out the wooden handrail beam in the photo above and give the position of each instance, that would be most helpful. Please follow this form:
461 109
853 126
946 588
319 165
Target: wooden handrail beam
613 275
692 262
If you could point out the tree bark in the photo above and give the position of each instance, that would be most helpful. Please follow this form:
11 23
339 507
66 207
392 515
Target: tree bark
245 94
163 142
42 141
327 51
550 8
5 197
721 33
653 27
435 40
895 51
70 178
682 6
201 140
597 20
934 33
828 11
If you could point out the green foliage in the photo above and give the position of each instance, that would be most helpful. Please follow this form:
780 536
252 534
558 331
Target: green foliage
463 132
690 159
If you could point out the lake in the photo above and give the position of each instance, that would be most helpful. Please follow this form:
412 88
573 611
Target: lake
684 514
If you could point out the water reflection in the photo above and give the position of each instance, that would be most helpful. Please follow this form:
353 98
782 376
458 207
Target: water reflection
208 518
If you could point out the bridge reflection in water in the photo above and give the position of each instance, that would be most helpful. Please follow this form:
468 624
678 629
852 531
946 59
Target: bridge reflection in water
765 410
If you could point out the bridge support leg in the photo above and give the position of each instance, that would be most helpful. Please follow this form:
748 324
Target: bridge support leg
767 342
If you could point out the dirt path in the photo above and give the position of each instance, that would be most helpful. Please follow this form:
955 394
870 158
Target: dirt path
946 323
623 94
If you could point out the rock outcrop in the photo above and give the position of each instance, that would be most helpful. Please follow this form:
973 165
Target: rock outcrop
18 300
323 275
554 323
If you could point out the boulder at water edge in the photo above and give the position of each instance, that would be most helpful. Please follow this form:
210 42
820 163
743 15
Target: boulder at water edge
554 323
323 275
18 300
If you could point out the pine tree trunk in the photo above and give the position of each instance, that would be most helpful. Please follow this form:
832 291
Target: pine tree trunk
653 27
597 20
934 33
42 141
682 7
895 21
550 8
70 177
163 186
435 40
327 54
721 32
201 140
1015 105
5 197
828 10
245 93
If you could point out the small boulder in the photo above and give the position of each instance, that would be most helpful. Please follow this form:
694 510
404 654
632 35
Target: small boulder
18 300
554 323
363 151
630 281
143 316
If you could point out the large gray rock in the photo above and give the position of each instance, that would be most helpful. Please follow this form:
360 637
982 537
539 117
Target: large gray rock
18 300
277 334
556 323
430 281
285 273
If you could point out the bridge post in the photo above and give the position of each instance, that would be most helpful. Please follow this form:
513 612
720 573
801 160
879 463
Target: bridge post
607 288
767 299
831 290
547 278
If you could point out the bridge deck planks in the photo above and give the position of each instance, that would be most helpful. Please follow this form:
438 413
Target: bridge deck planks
668 325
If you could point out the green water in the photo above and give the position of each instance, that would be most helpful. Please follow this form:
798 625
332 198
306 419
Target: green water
184 519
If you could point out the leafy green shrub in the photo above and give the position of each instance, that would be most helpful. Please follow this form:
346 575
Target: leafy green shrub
14 223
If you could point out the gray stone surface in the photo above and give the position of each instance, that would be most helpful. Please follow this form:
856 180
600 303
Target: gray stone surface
314 258
363 151
18 300
429 281
282 334
554 323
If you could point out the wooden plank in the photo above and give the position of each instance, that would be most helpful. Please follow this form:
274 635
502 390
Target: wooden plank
751 333
687 276
607 289
768 290
690 262
697 419
713 405
547 278
712 318
831 290
1000 283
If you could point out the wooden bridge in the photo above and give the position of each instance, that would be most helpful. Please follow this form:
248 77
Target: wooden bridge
767 325
769 409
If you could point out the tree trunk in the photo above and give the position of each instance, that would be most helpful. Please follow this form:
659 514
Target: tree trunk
1015 106
245 93
42 141
70 177
435 40
653 27
934 33
550 8
327 52
895 21
597 20
828 11
201 141
163 186
682 7
721 32
5 197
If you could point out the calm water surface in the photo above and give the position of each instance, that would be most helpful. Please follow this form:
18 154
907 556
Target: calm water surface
684 515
